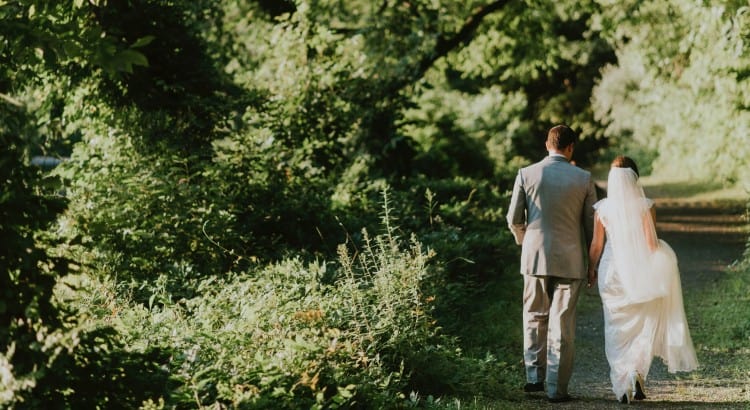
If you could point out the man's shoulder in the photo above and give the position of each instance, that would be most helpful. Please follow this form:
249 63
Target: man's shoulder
539 164
573 174
563 166
581 171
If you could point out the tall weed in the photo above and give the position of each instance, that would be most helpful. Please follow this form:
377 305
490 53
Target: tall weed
295 334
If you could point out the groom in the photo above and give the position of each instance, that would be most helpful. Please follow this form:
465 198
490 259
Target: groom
551 216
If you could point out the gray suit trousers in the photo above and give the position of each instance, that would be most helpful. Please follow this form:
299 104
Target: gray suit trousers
549 316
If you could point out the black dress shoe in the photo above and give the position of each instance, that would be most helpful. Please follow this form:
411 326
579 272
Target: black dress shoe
533 387
560 399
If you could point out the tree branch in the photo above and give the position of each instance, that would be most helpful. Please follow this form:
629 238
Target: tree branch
382 7
464 35
10 100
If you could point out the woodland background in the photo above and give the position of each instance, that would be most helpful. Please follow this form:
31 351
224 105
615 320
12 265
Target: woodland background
299 204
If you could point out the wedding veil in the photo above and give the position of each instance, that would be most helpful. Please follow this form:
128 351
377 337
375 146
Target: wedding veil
627 218
646 272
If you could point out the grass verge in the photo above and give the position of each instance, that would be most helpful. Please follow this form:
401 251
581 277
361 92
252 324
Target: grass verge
722 331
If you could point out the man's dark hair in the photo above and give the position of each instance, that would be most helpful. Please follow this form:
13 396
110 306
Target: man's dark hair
560 136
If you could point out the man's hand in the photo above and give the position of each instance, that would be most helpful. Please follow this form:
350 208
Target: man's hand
518 232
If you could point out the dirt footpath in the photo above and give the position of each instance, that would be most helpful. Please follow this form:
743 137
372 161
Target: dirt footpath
707 237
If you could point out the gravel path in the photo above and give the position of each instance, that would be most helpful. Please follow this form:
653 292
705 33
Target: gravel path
707 237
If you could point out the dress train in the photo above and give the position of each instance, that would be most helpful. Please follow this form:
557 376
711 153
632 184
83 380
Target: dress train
636 332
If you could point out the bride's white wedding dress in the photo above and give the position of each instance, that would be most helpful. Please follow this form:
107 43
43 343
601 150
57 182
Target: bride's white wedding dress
640 289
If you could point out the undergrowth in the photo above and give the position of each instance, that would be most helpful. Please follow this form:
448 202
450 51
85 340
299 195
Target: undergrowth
356 332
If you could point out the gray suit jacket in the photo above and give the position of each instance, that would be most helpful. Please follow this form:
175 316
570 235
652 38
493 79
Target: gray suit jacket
551 215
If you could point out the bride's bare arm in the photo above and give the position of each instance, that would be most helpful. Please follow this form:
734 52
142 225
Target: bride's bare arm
595 250
650 230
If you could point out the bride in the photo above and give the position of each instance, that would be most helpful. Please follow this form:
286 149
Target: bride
639 283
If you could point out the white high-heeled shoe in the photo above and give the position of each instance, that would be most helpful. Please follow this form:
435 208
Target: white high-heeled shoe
627 397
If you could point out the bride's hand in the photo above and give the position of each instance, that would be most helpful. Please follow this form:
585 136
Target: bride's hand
592 277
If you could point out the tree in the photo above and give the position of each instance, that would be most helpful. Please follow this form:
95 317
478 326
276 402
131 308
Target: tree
678 98
41 342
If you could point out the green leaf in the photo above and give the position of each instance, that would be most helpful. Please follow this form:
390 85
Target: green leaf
143 41
132 57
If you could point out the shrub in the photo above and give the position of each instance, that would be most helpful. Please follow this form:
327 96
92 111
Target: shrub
353 333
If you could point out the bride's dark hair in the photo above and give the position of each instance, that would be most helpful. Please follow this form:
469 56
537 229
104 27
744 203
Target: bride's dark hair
622 161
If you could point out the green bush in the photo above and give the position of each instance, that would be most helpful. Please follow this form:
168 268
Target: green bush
287 337
95 371
358 332
29 318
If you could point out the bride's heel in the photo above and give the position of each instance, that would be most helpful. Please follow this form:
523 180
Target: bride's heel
638 385
627 397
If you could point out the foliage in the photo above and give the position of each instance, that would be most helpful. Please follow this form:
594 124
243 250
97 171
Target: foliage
265 142
64 36
219 150
458 219
295 334
77 357
251 134
46 358
27 272
553 73
150 220
679 93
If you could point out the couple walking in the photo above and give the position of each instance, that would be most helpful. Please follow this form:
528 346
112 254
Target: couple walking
554 214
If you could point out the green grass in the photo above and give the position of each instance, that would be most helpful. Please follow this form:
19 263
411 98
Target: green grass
721 332
694 191
491 339
659 187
